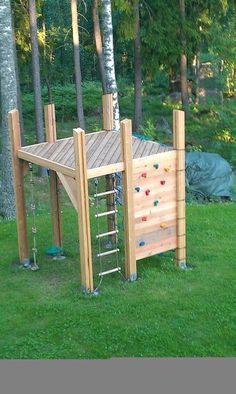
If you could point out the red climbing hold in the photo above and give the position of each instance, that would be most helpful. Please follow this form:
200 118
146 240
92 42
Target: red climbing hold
144 175
144 218
147 192
163 183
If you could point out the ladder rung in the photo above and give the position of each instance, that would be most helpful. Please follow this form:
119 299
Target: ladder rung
107 253
110 271
98 215
104 193
105 234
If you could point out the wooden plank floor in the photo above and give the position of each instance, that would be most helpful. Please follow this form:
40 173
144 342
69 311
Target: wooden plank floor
102 148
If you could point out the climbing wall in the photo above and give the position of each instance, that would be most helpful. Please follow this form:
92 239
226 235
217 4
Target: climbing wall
155 206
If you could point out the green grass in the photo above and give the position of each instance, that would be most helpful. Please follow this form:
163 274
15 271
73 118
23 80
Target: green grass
166 313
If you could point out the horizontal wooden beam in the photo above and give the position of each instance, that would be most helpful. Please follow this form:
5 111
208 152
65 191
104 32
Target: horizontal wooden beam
46 163
105 170
161 158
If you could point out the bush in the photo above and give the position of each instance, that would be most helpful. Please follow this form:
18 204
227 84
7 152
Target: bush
64 98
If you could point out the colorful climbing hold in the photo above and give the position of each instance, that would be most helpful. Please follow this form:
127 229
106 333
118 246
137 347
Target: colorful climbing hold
137 189
167 169
163 225
144 218
142 243
144 175
147 192
156 166
163 183
156 202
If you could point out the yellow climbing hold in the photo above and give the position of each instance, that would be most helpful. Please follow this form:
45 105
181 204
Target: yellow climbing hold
163 225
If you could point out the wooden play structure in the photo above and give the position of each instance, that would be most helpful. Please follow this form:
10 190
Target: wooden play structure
153 182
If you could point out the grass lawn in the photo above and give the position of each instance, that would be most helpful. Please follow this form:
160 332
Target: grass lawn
166 313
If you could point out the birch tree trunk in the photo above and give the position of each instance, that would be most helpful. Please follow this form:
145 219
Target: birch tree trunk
78 79
36 72
109 63
137 70
8 88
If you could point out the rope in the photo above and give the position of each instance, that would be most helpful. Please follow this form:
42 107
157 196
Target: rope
34 265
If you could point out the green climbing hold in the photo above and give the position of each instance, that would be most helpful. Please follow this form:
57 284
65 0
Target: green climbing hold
156 202
53 251
156 166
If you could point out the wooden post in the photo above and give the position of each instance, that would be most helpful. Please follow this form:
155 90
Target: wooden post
51 137
130 259
107 107
179 145
18 178
83 211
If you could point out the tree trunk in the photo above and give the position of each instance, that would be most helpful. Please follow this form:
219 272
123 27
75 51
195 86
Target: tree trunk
36 72
197 76
109 64
46 64
137 71
19 100
8 86
78 79
98 45
183 60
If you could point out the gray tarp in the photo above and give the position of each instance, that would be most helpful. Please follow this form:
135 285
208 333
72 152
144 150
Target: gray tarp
209 174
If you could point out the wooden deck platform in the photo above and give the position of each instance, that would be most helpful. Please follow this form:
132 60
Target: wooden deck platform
103 152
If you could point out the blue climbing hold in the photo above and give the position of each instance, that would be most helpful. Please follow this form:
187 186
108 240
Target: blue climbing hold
138 189
142 243
156 166
156 202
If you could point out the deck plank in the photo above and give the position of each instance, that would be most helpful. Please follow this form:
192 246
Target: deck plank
116 146
102 148
139 150
59 147
70 152
101 159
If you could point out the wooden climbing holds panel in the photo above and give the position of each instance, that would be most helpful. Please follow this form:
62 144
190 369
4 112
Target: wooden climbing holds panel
155 207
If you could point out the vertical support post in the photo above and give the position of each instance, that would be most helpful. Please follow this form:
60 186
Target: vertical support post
18 178
51 137
130 258
107 107
83 211
179 145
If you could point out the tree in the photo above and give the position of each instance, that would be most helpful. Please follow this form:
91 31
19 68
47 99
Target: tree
98 45
78 79
109 63
183 59
8 86
36 72
137 70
